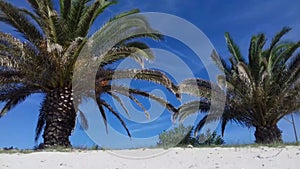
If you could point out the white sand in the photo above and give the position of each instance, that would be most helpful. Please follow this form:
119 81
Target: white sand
176 158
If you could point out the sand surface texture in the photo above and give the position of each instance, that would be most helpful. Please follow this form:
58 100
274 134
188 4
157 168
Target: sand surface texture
175 158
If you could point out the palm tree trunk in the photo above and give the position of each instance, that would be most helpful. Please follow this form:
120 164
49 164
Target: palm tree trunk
60 117
267 134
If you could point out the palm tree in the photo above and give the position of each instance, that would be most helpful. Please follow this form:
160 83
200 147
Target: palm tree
43 61
260 89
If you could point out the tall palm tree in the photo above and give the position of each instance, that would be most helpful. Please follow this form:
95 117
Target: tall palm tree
44 59
260 89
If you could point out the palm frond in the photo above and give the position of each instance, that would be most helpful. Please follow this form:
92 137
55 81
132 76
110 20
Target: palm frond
116 114
83 120
131 91
277 38
255 55
294 63
65 7
286 55
153 76
133 50
13 16
40 124
34 4
10 76
220 62
233 48
102 111
223 125
136 101
119 100
124 14
200 125
196 87
191 108
109 36
293 71
161 101
12 102
90 15
71 21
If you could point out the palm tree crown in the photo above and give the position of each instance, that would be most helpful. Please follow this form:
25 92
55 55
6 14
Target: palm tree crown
260 89
44 61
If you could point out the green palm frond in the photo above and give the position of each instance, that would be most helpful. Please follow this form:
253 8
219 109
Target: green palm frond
205 120
223 125
192 107
196 87
277 38
233 48
220 62
131 91
255 55
136 50
9 77
294 69
161 101
284 56
13 95
102 111
294 64
116 114
136 101
83 121
65 7
92 12
11 91
153 76
40 124
70 20
124 14
12 16
34 5
127 28
119 100
11 104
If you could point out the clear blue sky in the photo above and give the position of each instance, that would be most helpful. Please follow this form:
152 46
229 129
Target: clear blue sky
241 18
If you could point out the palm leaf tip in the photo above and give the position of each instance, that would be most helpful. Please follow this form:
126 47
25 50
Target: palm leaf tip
11 104
83 120
14 17
279 35
223 128
40 125
3 112
102 103
200 125
233 48
102 111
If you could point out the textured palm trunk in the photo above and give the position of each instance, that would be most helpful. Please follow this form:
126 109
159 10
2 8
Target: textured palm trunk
60 117
268 134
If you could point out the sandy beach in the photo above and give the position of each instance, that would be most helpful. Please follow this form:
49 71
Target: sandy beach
175 158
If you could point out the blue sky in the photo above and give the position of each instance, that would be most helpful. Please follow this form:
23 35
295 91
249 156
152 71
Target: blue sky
241 18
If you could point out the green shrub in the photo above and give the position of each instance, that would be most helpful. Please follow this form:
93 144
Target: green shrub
182 136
